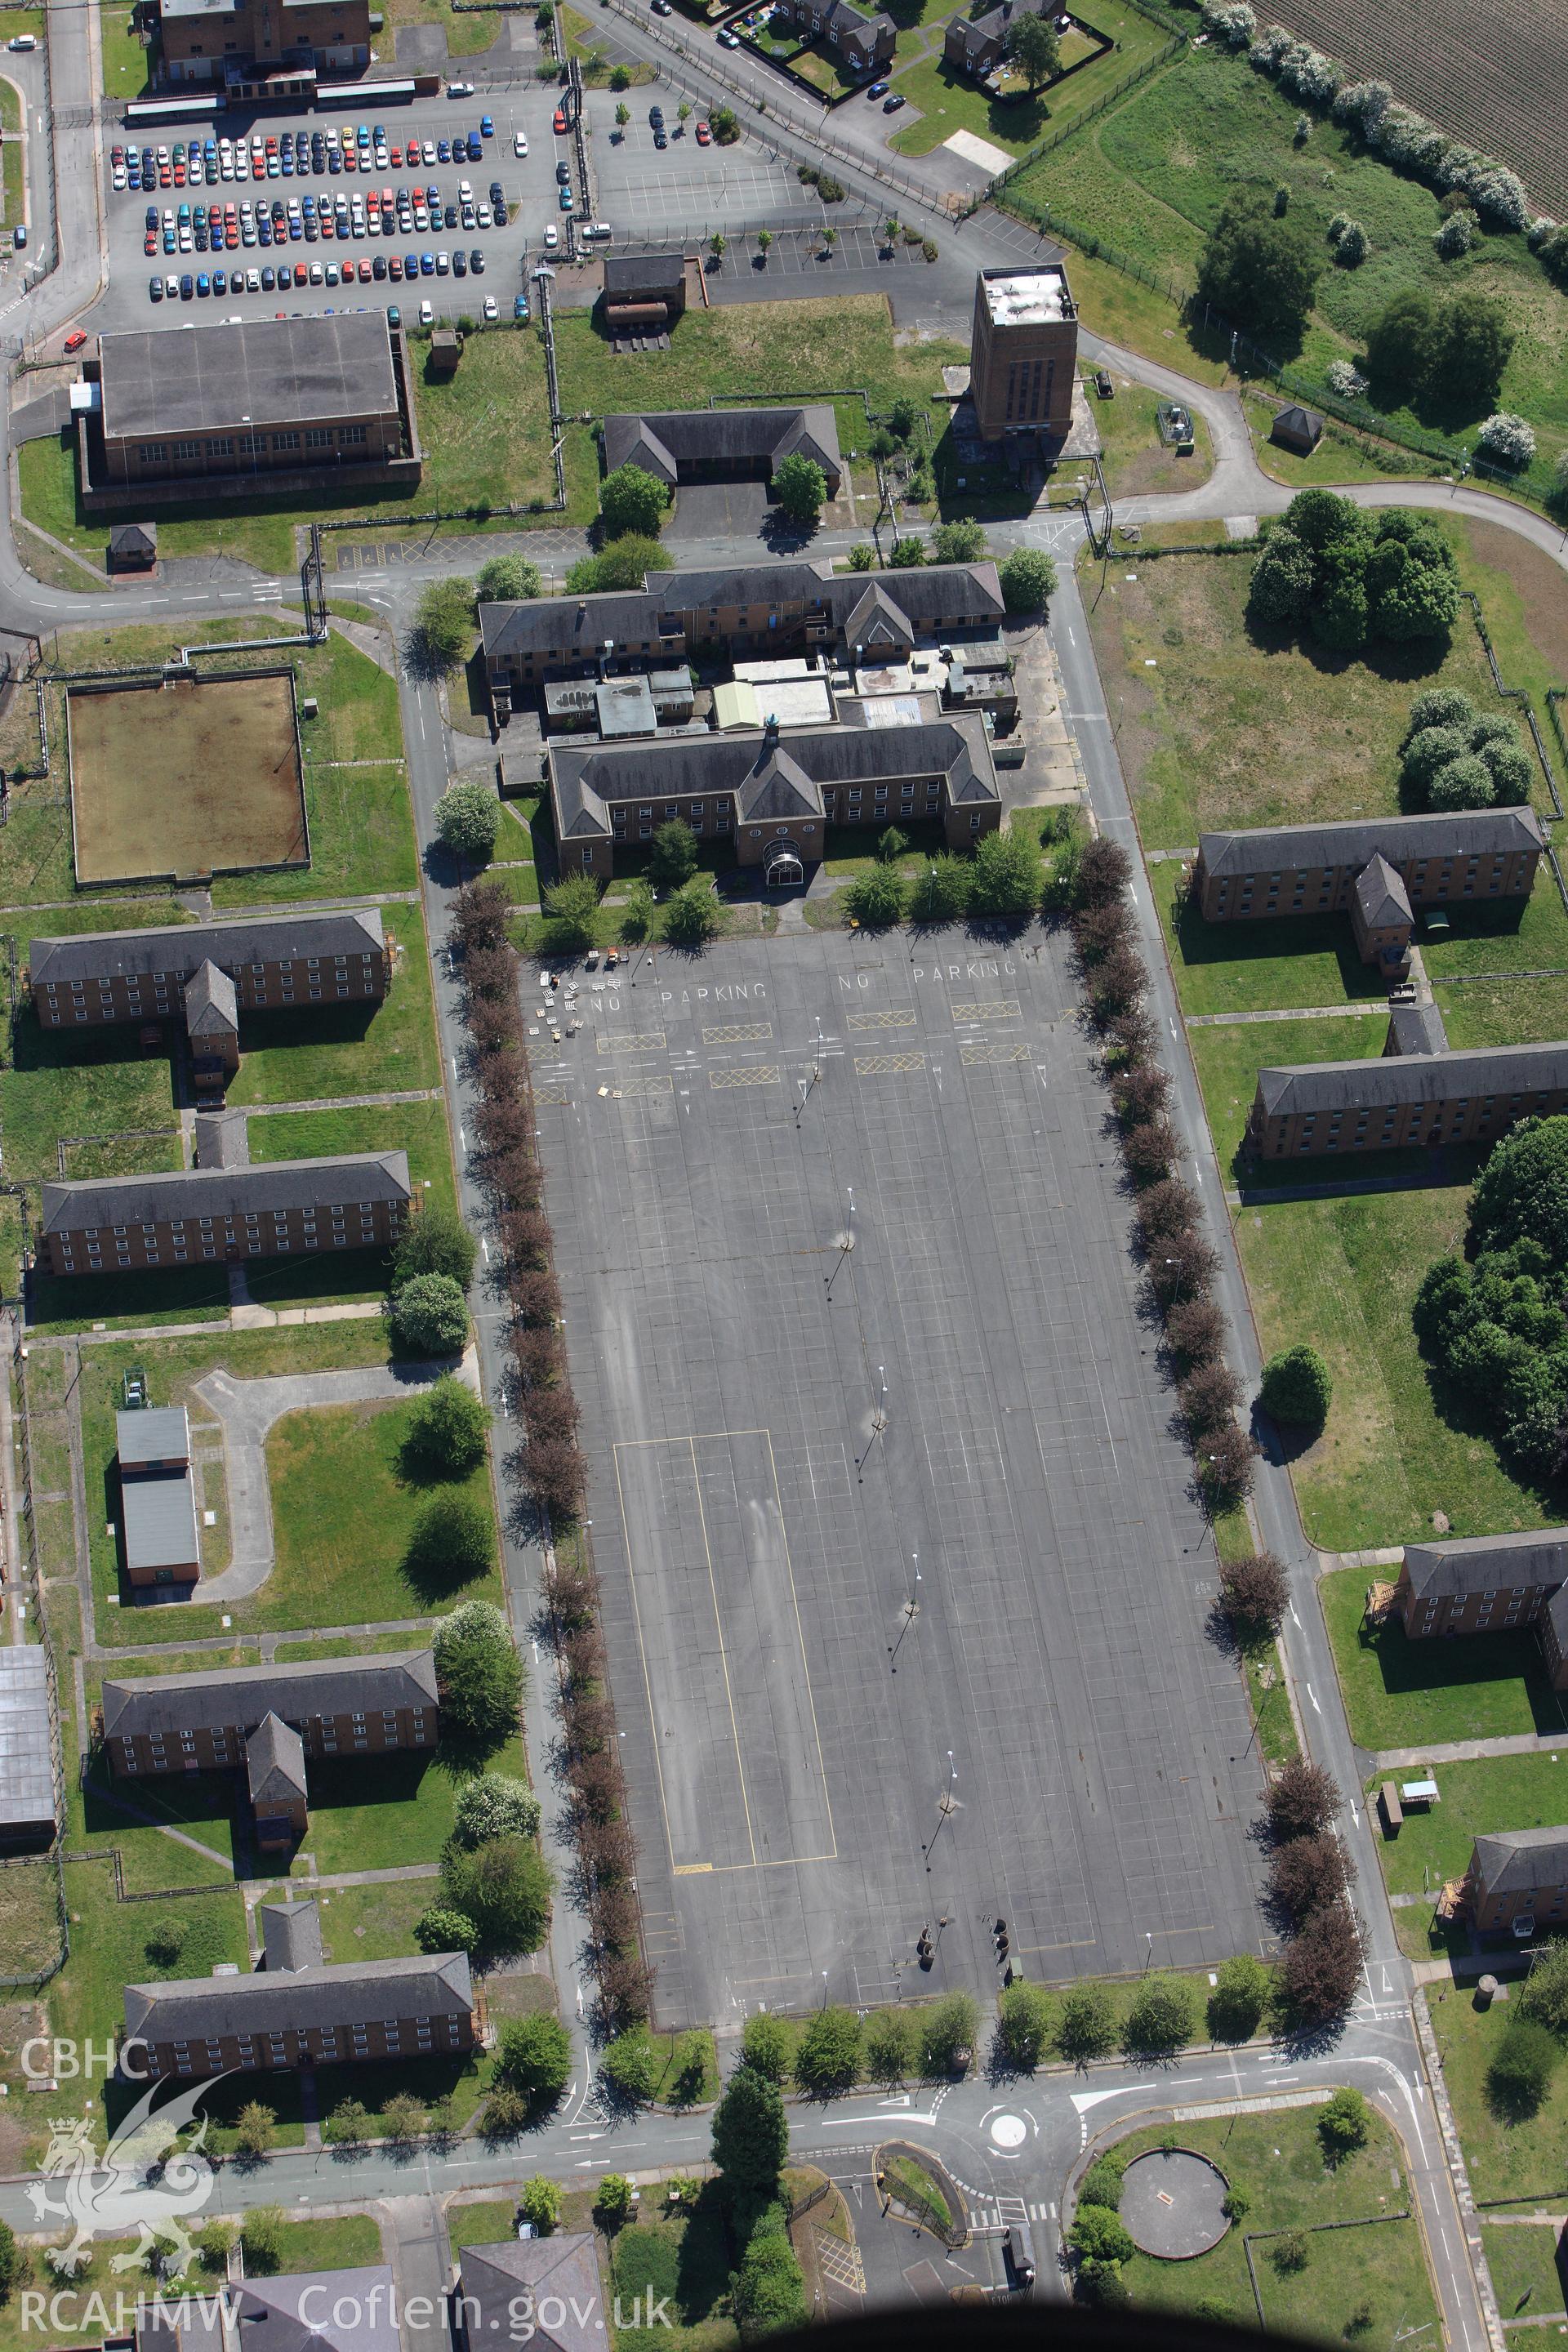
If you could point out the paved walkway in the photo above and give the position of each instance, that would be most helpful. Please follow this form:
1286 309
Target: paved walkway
247 1410
342 1102
1284 1013
1469 1751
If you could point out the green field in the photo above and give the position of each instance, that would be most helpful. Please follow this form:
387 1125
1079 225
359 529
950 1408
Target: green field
1527 2271
29 1919
950 101
1149 179
1229 1059
311 1055
124 57
686 2258
1495 1792
1276 2162
419 1129
64 1084
1508 2161
1405 1694
1261 966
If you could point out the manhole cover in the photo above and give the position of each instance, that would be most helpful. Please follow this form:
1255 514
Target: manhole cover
1173 2203
1009 2131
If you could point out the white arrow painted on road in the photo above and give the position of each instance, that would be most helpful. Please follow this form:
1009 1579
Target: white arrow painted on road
1084 2100
1312 1695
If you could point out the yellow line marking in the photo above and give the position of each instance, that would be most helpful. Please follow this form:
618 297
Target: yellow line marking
871 1065
723 1654
978 1054
902 1020
1006 1008
657 1081
748 1073
647 1043
739 1033
551 1093
690 1870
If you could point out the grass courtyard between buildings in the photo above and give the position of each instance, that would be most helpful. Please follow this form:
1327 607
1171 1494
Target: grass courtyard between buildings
1401 1694
1511 2160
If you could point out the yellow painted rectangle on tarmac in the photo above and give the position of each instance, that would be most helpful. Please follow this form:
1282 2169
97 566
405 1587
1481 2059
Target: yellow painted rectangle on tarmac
876 1065
977 1053
1005 1008
739 1033
647 1041
637 1089
900 1018
745 1073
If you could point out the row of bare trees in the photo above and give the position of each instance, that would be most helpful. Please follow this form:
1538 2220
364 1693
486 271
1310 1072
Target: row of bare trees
1180 1265
549 1464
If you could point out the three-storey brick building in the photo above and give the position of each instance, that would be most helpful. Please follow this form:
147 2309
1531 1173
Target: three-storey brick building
1404 1101
314 2015
120 1224
273 961
156 1724
1446 858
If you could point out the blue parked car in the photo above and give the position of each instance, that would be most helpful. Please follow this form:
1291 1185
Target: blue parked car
187 287
411 264
220 282
203 283
565 196
296 228
519 308
443 151
486 127
428 265
476 149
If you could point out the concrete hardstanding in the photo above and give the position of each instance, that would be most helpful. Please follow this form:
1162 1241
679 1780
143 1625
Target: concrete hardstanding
786 1780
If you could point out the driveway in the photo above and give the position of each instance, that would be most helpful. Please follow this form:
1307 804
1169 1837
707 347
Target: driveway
248 1409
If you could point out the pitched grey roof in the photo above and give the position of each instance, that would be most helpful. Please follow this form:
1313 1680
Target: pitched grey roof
212 1007
179 948
664 440
778 786
158 1519
302 369
1481 1070
222 1696
1305 422
1481 1563
274 1762
1415 1029
1381 895
654 274
558 2274
195 2009
195 2323
1516 1862
343 2311
27 1746
160 1433
222 1139
225 1192
133 538
981 31
1457 833
291 1936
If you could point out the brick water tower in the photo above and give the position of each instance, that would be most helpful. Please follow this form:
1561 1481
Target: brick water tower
1023 352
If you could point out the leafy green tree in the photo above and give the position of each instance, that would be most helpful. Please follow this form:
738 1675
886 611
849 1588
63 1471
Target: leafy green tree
960 543
941 890
623 116
262 2232
629 2066
613 2200
751 2137
1412 580
468 819
1255 1594
449 1427
443 1929
889 2046
1087 2027
1164 2015
877 899
1478 343
1101 2184
827 2057
1296 1389
673 860
479 1676
504 1887
452 1542
429 1316
1430 751
1343 2125
1032 45
1290 2252
1029 578
436 1242
800 485
541 2203
1238 2003
620 77
443 626
907 554
216 2240
862 557
1440 706
403 2116
722 123
494 1804
622 565
692 916
1258 270
1098 2235
1007 877
765 2045
632 500
506 2113
881 445
769 2290
1522 2065
1464 784
891 845
765 238
1339 612
1521 1195
507 580
904 419
165 1941
572 907
534 2055
948 2031
1025 2015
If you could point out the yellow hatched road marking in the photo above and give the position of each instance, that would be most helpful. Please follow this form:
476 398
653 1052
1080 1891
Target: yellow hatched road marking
977 1051
551 1093
748 1073
657 1081
872 1066
647 1044
739 1033
1006 1008
899 1020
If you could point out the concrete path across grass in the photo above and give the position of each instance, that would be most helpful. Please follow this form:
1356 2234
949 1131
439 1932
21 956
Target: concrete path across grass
1471 1751
248 1409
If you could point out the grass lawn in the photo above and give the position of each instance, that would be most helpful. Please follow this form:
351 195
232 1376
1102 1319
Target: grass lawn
109 1948
64 1084
372 1923
1229 1059
362 840
482 2221
1340 457
1149 179
1405 1694
352 2242
1526 2265
1496 1792
466 33
29 1919
311 1055
1342 1275
124 57
202 1805
1133 458
1251 967
687 2258
419 1129
344 1514
1217 729
950 101
1276 2162
1508 2161
260 533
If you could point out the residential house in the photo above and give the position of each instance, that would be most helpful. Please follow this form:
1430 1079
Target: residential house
863 37
544 2293
1482 1584
304 2311
1517 1884
976 45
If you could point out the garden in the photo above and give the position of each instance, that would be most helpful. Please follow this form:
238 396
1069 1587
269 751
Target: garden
1490 1793
1401 1694
1503 2065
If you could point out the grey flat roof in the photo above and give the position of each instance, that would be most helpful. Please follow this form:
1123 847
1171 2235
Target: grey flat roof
180 949
1417 1079
223 1697
1438 834
303 370
1481 1563
194 2008
158 1519
222 1192
159 1433
643 273
27 1746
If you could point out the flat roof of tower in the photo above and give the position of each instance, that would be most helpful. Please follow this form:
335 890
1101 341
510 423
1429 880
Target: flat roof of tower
1029 298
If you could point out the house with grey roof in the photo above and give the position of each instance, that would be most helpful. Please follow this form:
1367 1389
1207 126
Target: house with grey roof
296 960
863 37
307 2311
354 1708
422 2006
1444 857
1482 1584
1402 1101
275 1782
1517 1884
976 45
159 1542
1381 918
30 1746
223 1215
769 796
212 1015
723 444
545 2293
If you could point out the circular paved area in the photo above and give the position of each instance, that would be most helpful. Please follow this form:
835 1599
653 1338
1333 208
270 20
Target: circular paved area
1174 2204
